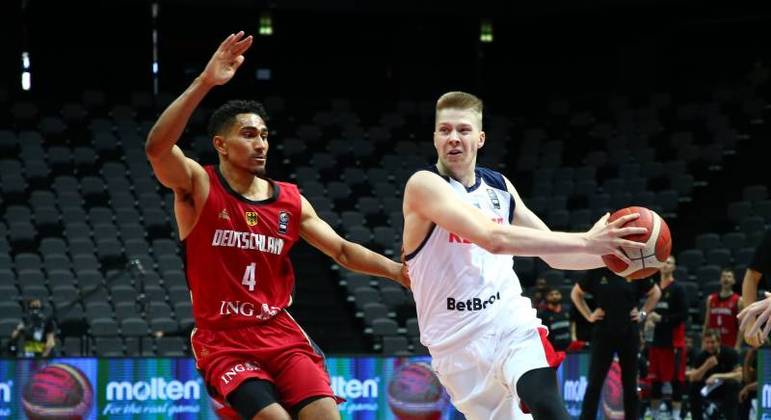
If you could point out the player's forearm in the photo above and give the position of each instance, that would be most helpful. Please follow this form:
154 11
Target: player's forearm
573 261
170 125
750 287
650 302
360 259
524 241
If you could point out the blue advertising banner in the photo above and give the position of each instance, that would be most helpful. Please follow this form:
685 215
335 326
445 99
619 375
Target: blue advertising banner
763 407
375 388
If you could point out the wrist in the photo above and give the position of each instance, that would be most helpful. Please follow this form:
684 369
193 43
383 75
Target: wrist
204 82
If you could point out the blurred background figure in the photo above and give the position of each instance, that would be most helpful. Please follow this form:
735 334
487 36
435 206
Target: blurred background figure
35 334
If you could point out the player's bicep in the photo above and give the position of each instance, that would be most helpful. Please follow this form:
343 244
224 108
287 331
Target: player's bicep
317 232
175 171
433 199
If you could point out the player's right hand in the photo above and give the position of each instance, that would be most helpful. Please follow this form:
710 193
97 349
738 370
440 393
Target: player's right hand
597 315
227 59
607 238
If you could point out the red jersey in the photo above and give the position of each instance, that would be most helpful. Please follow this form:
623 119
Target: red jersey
237 255
722 316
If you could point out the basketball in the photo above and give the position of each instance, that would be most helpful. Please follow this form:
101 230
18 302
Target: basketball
414 393
57 391
658 245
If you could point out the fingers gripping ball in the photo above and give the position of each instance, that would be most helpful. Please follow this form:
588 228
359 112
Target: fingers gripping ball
658 245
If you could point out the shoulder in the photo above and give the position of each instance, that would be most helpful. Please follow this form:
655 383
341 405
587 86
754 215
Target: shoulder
424 179
492 178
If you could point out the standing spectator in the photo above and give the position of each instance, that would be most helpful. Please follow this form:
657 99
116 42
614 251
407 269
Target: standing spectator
615 330
36 332
719 368
759 267
722 308
667 352
556 319
539 293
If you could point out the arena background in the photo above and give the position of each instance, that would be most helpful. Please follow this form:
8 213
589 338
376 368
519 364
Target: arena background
589 107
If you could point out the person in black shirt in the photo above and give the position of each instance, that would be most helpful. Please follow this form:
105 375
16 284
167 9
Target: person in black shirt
615 330
556 319
36 332
718 367
754 315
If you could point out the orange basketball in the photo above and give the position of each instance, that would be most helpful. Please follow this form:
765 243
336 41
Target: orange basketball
658 245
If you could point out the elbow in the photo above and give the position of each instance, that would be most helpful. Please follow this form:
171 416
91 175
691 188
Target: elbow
152 151
495 242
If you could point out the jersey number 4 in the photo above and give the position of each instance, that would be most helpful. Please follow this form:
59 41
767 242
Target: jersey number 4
248 279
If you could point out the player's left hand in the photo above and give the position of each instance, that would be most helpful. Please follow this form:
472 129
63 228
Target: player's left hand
755 316
712 379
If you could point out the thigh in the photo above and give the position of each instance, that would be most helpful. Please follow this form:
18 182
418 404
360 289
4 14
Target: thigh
314 408
471 382
302 376
254 397
528 352
662 363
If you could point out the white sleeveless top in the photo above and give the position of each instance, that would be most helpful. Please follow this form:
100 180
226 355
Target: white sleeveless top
461 289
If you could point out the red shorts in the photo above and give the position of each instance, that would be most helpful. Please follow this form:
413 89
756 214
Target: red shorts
277 351
666 364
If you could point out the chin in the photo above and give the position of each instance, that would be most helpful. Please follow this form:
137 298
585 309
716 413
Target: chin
258 172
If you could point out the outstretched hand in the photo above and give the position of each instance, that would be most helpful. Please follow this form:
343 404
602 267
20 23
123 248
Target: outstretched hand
608 238
753 318
226 60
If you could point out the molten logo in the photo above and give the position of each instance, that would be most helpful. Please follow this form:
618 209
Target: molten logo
6 389
574 390
354 388
766 396
155 389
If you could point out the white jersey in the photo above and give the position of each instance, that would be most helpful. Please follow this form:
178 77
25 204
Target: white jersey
460 288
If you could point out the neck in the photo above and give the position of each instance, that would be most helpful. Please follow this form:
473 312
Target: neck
245 183
465 176
554 307
666 280
726 292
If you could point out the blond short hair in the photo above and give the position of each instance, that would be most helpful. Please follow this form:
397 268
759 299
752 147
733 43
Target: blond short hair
460 100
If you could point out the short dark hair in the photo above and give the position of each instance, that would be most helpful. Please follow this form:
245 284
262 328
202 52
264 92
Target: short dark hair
713 333
226 114
727 269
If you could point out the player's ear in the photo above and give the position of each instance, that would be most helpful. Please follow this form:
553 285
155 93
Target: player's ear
481 140
219 145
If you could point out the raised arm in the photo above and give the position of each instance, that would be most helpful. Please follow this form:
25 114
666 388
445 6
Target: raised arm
430 197
350 255
525 217
170 165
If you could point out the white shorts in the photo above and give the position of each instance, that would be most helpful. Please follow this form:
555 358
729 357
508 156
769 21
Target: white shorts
481 377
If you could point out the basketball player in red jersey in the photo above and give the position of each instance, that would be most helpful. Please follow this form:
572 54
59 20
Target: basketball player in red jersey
722 309
238 227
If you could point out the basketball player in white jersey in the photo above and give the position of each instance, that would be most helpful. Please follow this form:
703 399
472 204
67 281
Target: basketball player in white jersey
462 224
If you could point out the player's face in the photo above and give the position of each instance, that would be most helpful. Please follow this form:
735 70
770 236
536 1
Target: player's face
457 137
727 279
710 344
554 297
245 144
